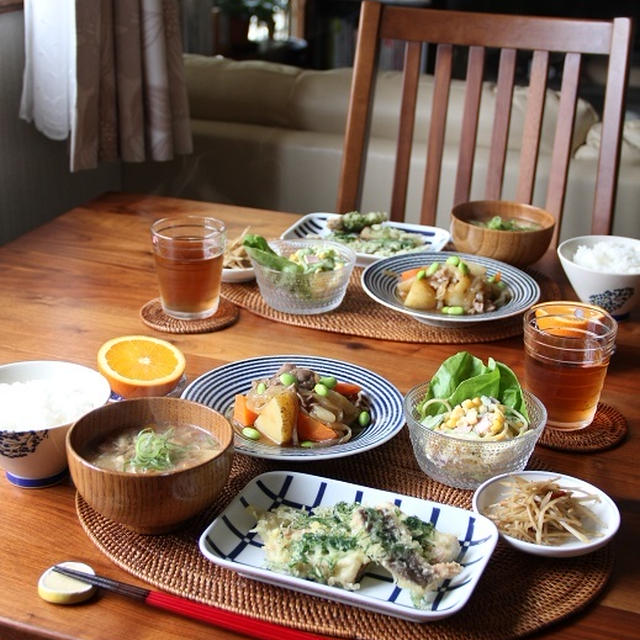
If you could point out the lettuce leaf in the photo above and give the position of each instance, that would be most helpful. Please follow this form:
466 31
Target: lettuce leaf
464 376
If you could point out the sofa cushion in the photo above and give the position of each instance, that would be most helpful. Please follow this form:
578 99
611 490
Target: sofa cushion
250 91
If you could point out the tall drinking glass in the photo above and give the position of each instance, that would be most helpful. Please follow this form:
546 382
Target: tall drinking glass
188 252
567 350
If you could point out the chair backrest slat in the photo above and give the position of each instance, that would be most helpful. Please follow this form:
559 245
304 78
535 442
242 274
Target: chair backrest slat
469 130
538 38
435 145
612 121
532 126
411 75
562 140
500 133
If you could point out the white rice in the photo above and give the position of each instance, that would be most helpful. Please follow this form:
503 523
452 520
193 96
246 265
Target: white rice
38 404
609 257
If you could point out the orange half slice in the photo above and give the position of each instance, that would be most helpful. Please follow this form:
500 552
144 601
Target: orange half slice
566 320
138 366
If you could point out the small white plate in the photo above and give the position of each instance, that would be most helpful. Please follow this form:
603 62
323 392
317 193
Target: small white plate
380 281
230 542
238 275
493 491
315 224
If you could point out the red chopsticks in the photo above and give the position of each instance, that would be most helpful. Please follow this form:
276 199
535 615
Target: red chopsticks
245 625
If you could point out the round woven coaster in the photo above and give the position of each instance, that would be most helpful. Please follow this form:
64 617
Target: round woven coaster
153 316
359 315
517 594
609 428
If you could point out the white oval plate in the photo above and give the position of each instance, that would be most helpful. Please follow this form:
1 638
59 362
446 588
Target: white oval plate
231 542
238 275
379 280
217 389
606 510
315 224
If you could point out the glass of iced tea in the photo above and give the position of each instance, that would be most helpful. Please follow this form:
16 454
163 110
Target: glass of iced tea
567 350
188 251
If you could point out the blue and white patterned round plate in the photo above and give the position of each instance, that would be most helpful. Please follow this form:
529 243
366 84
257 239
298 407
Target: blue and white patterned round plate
316 225
380 280
217 389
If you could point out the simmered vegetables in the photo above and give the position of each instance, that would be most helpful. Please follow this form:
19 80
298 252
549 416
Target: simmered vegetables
453 287
299 407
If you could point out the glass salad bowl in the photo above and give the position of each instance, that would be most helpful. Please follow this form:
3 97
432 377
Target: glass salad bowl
466 463
305 291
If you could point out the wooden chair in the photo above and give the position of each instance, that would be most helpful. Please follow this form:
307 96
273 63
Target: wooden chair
479 31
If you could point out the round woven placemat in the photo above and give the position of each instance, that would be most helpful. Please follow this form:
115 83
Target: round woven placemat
360 315
517 594
153 316
608 429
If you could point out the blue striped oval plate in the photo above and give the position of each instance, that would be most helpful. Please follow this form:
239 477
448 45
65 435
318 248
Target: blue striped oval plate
218 387
380 279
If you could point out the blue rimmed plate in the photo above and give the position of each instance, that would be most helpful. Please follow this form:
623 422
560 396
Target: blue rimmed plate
230 542
380 281
315 224
217 389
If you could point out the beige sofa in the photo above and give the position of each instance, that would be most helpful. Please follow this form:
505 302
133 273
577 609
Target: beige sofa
269 135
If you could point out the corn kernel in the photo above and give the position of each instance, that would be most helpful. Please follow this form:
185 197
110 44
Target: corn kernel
467 404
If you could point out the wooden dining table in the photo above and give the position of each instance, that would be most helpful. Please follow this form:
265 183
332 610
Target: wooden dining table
81 279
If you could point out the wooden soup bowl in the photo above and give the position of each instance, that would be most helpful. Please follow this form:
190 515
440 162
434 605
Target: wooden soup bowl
148 503
518 248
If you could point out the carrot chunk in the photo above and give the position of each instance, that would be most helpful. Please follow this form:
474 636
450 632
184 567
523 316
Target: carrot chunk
411 273
347 388
241 412
309 428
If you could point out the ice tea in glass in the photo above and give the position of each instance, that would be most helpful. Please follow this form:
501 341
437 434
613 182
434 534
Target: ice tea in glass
567 350
188 252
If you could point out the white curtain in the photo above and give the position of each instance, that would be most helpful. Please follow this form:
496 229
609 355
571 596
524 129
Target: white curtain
49 81
108 75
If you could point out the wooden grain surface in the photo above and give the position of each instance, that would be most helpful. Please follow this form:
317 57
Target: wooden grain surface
81 279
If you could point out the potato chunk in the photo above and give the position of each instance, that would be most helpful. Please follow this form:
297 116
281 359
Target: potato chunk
421 295
278 417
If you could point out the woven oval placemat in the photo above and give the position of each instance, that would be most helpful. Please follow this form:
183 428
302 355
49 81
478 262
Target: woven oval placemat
360 315
608 429
154 316
517 594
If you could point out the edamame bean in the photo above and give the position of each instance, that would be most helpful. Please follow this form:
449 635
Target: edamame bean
320 389
454 311
307 444
287 379
433 267
463 268
421 274
364 418
328 381
251 433
261 388
454 260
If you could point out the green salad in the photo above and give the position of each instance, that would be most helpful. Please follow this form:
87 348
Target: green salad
471 400
298 272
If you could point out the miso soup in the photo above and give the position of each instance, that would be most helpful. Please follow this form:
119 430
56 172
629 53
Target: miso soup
154 448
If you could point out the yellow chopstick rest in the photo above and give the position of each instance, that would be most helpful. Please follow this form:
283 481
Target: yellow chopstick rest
59 589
